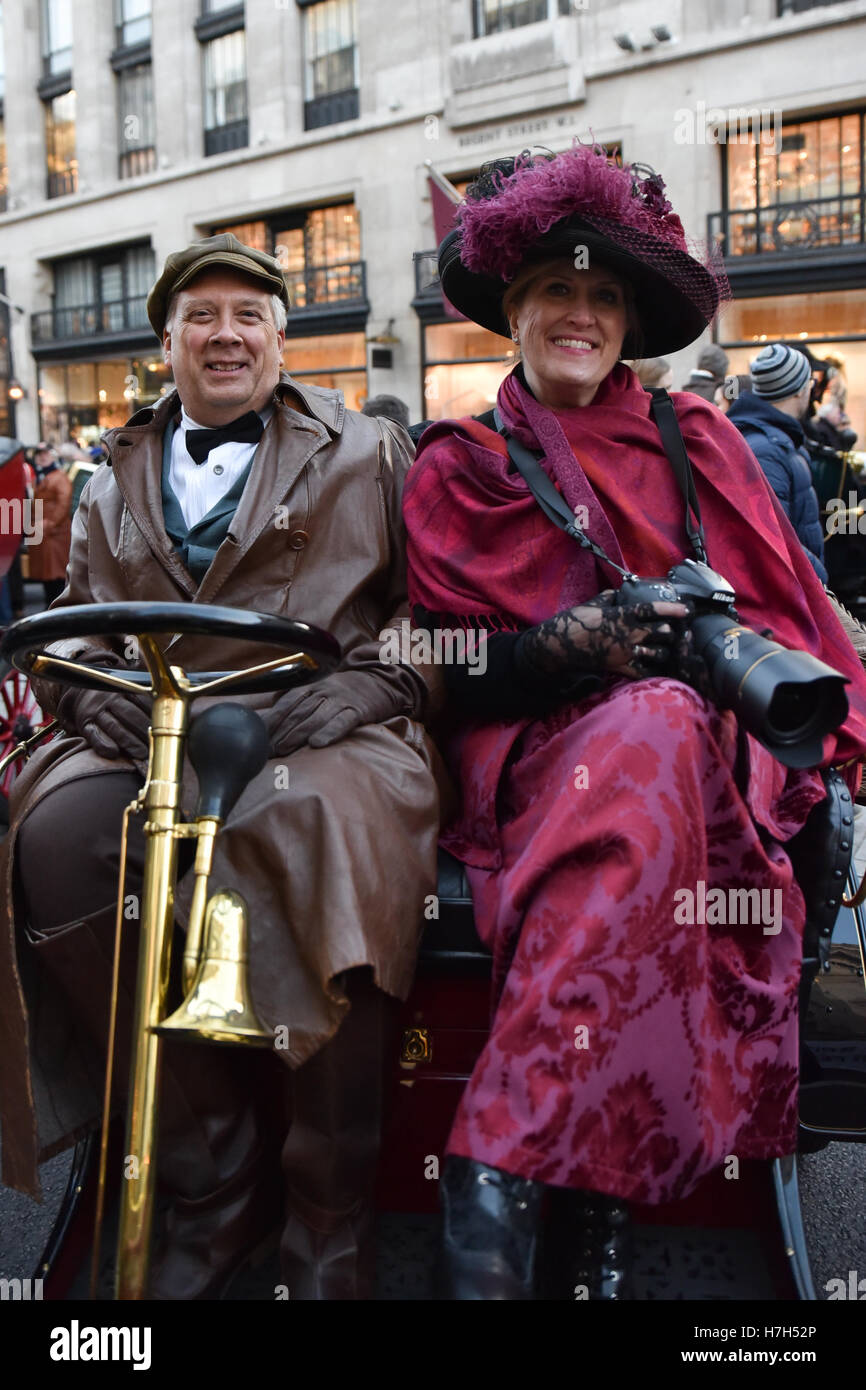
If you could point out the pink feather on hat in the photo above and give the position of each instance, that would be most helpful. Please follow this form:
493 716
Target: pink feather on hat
497 231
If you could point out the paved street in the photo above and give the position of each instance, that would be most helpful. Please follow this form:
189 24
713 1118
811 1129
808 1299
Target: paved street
671 1264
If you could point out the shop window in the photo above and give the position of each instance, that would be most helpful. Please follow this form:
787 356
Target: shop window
800 190
335 360
80 400
331 62
464 366
825 322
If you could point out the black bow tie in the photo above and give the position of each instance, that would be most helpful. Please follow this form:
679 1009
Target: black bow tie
247 429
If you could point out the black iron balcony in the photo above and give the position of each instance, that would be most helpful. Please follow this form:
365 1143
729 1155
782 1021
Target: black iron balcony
224 138
133 163
320 285
790 228
87 321
57 185
331 109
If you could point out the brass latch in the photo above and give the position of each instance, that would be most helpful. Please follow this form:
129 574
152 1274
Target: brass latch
416 1046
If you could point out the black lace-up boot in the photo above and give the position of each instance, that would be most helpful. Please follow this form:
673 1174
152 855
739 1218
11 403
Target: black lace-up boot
490 1222
588 1247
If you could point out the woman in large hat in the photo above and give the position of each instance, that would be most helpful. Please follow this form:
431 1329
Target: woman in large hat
635 1043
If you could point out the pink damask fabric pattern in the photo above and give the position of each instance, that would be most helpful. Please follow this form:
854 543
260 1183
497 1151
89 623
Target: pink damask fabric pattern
630 1054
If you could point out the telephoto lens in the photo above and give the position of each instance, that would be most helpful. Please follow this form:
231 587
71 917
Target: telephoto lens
788 700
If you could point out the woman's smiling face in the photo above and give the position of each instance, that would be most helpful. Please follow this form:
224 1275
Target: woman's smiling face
570 325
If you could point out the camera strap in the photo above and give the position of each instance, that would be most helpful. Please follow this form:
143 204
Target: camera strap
665 417
556 509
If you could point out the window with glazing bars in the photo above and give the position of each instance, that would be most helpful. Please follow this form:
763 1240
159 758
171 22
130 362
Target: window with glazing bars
61 164
133 22
798 6
319 251
104 293
330 45
225 81
56 36
492 16
136 121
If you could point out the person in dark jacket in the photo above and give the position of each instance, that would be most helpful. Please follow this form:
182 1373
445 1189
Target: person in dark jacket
709 374
769 417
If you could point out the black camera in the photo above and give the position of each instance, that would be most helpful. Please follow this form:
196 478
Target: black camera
789 700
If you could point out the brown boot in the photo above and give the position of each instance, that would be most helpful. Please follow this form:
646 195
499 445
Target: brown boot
331 1155
223 1178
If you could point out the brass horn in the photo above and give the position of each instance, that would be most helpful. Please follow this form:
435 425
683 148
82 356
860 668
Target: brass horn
218 1007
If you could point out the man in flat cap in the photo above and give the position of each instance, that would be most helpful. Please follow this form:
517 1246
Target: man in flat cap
247 489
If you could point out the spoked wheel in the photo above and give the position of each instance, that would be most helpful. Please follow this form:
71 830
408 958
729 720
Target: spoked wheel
20 718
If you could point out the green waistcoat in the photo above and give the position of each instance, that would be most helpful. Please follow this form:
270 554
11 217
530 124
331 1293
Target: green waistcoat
197 545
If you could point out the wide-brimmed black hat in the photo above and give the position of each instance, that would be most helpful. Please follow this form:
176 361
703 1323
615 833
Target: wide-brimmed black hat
625 223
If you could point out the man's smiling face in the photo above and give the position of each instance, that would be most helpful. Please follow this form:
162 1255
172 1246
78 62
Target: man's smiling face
223 347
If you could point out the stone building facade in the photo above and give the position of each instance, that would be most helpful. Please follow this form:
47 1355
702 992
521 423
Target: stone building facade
308 126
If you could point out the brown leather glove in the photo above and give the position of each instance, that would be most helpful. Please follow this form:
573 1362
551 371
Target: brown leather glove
320 714
115 726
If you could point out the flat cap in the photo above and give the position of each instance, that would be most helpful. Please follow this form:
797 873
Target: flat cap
223 250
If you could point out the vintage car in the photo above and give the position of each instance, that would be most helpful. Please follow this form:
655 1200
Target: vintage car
445 1020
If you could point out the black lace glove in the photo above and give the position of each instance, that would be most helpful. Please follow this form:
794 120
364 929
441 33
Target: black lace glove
635 640
115 726
320 714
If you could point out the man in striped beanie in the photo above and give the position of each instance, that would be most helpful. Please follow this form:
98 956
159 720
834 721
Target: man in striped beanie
769 417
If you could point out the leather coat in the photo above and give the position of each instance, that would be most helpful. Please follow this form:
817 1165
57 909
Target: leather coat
317 536
53 496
